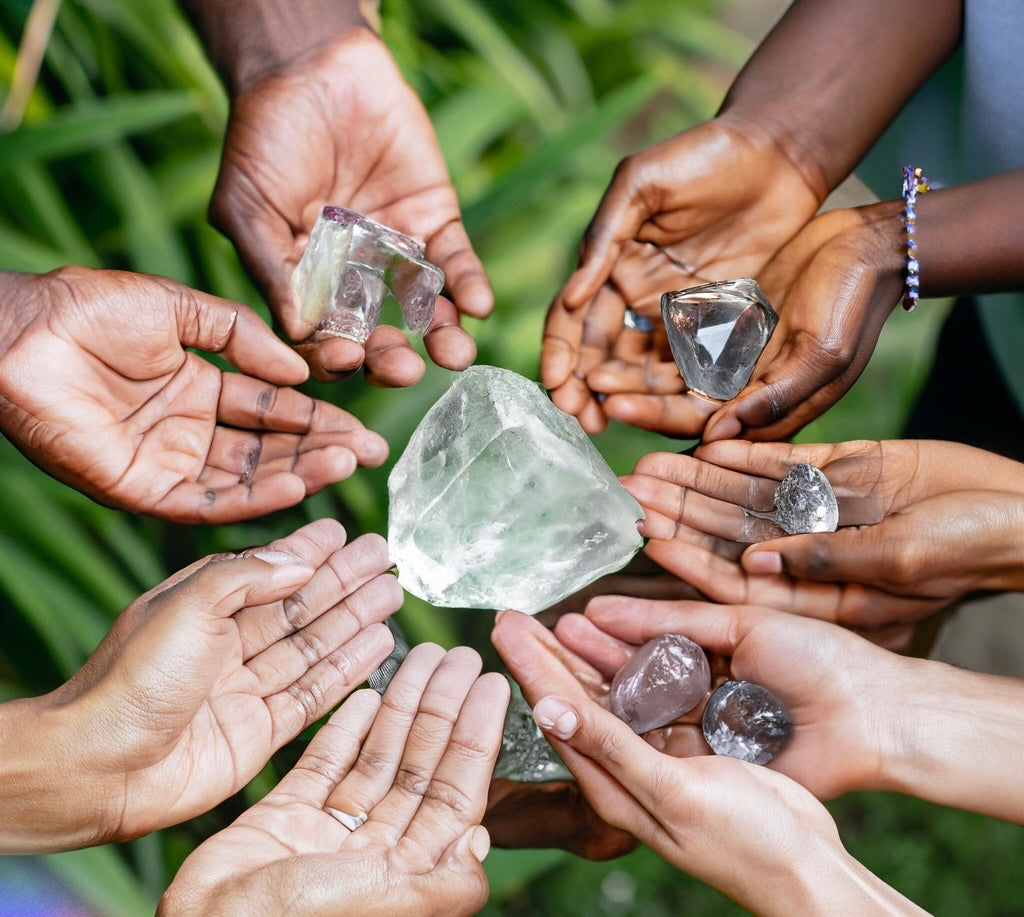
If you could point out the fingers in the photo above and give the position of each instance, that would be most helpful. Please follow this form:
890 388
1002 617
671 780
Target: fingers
672 415
603 651
717 628
619 215
219 326
539 662
447 344
331 753
451 250
391 361
423 778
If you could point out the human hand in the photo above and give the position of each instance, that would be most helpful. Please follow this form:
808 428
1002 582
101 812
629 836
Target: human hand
200 680
712 203
98 389
345 128
415 767
696 812
833 285
924 523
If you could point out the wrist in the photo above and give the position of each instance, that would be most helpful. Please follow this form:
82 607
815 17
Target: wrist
50 797
274 37
956 739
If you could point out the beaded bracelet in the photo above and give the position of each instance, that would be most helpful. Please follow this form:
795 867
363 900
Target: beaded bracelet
914 182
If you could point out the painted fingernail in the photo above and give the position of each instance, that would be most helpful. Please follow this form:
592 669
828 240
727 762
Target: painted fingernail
555 716
762 562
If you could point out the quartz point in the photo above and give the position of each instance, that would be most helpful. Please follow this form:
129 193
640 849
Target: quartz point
664 679
500 500
350 265
804 502
716 332
744 720
525 755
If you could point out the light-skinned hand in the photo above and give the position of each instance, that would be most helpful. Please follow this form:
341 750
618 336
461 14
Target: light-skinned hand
922 523
197 683
415 765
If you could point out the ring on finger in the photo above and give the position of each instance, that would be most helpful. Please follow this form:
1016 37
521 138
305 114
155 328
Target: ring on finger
637 322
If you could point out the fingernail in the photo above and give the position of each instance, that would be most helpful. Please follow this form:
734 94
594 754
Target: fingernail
277 558
556 716
500 614
479 842
763 562
727 427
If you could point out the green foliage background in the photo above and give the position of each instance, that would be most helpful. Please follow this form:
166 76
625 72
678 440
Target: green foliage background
534 102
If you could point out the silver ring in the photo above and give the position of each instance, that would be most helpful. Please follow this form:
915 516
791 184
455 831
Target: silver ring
349 821
637 322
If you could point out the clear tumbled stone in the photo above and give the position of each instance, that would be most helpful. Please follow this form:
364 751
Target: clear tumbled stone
804 502
717 332
500 500
664 679
744 720
525 754
350 265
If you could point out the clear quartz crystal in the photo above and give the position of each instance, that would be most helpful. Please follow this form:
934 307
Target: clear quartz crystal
717 332
500 500
804 502
525 754
664 679
744 720
350 265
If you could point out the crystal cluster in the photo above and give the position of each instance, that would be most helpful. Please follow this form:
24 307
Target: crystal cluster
350 265
525 754
717 332
664 679
746 721
804 502
500 500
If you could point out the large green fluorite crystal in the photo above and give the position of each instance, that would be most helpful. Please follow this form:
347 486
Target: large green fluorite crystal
501 500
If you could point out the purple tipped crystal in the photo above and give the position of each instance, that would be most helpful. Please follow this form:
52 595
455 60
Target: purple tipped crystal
661 681
350 265
746 721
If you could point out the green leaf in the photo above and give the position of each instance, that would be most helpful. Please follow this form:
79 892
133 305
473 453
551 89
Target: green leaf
93 125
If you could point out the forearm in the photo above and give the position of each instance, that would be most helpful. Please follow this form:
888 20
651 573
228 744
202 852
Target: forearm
969 238
832 74
824 880
957 738
249 40
48 800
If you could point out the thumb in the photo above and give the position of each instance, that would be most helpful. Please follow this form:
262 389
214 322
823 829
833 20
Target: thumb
849 555
218 325
228 583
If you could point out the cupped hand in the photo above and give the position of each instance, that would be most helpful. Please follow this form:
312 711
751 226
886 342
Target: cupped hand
922 523
381 815
833 285
203 677
99 389
712 203
346 129
731 824
836 685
